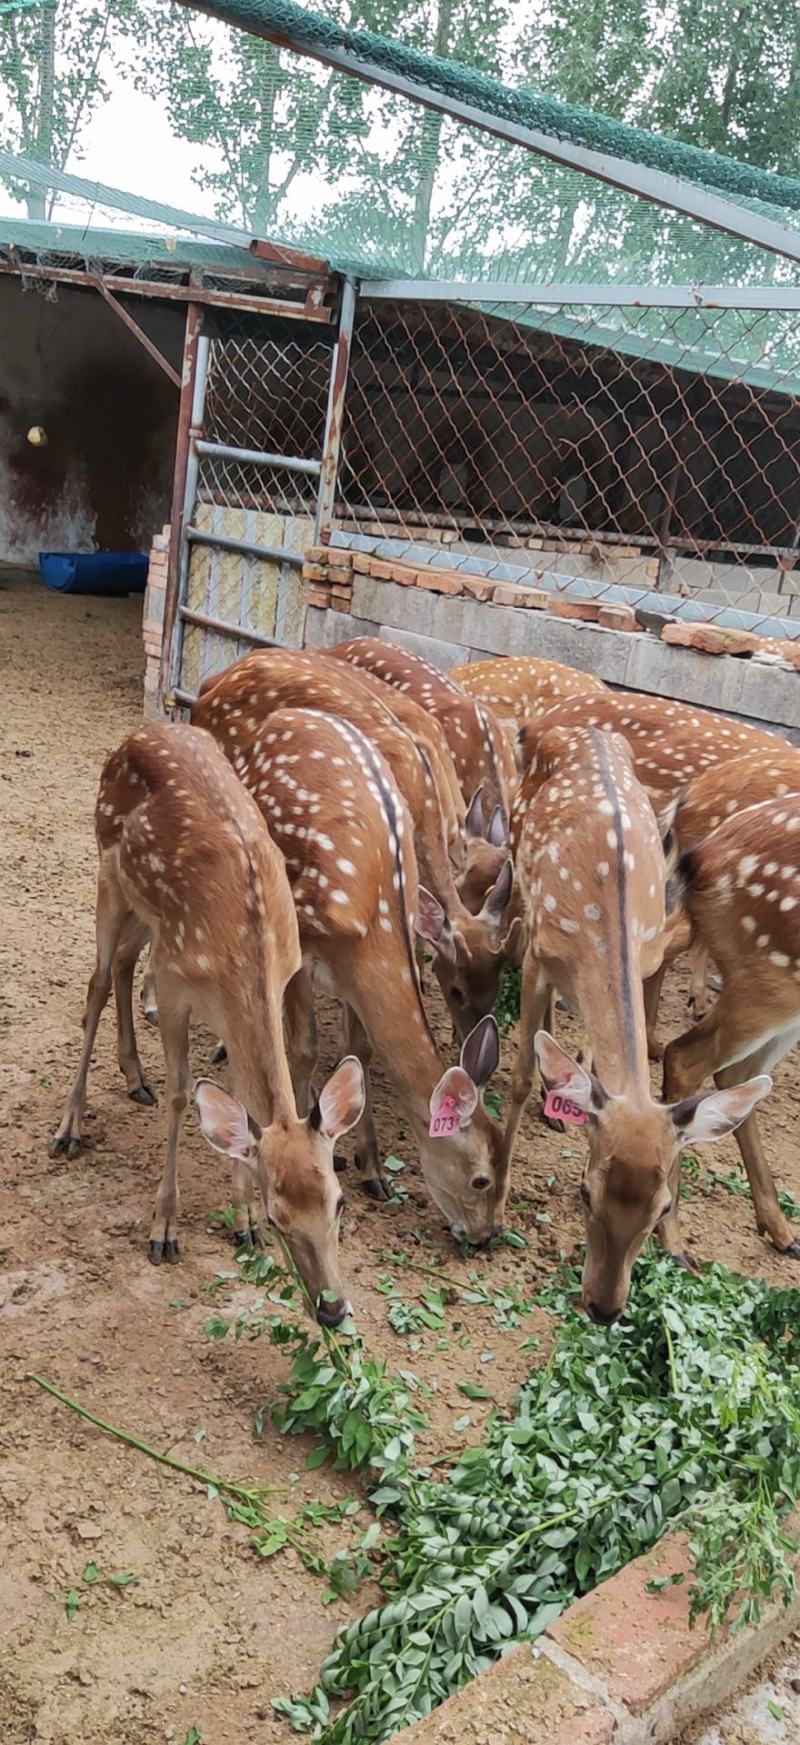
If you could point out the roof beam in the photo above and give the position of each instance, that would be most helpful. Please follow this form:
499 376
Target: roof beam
138 332
769 297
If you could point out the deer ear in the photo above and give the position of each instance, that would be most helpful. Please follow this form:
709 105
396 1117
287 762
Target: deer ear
340 1103
453 1102
481 1051
498 898
561 1073
718 1112
497 833
509 947
225 1123
431 919
473 822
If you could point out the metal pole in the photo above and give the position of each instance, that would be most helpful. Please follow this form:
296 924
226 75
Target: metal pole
192 330
174 650
769 297
332 444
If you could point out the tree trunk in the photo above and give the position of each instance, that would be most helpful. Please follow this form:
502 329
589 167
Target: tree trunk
263 207
429 148
42 144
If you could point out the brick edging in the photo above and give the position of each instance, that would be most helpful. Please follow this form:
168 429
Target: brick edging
619 1667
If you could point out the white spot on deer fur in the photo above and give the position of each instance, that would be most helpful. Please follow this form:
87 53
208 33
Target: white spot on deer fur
787 903
611 838
591 911
203 962
770 868
568 926
346 866
762 940
780 959
549 903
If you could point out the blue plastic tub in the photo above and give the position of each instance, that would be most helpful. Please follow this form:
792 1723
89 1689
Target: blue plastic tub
94 572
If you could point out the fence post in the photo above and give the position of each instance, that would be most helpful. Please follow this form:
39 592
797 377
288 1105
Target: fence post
192 330
332 443
183 509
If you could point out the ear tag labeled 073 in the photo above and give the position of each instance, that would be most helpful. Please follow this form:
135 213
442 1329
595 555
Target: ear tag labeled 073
557 1107
446 1120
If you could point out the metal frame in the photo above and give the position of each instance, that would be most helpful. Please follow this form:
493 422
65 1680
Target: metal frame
656 186
186 535
334 419
767 297
311 310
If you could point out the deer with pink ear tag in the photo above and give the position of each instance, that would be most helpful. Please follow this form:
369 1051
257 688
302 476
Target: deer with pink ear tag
591 867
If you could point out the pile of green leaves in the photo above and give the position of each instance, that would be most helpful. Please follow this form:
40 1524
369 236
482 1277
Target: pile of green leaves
506 1008
688 1412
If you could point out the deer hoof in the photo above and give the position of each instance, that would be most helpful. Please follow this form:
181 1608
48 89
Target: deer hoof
143 1096
155 1252
792 1249
254 1237
172 1251
375 1188
220 1055
151 1016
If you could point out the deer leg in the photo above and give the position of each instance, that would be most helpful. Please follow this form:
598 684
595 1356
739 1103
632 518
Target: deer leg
112 911
301 1037
130 945
652 998
367 1152
698 988
535 1003
173 1020
769 1217
668 1230
148 991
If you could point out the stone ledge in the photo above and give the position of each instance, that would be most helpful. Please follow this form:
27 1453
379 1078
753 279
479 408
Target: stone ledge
622 1666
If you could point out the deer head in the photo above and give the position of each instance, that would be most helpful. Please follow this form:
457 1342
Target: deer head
292 1161
633 1168
471 951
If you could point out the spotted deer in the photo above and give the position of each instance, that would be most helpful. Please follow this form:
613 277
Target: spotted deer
478 746
591 866
186 859
335 810
741 888
470 950
521 688
670 742
716 794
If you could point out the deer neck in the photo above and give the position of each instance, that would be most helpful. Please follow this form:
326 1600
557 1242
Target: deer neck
390 1008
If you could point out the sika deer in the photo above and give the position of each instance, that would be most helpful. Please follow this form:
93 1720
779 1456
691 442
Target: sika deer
478 746
742 893
520 688
670 742
471 951
333 807
591 867
185 858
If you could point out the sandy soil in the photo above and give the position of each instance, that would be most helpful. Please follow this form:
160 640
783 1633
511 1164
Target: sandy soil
208 1633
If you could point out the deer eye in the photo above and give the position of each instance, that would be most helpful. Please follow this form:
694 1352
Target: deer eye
481 1181
456 994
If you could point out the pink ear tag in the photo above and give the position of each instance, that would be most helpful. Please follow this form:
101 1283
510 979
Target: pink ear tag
557 1107
446 1120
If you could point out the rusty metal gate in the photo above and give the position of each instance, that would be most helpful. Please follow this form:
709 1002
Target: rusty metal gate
265 396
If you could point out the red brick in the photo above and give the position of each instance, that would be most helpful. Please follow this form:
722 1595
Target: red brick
711 638
362 561
340 573
315 572
381 571
562 607
617 618
318 597
317 554
510 594
478 587
440 581
637 1643
404 575
522 1700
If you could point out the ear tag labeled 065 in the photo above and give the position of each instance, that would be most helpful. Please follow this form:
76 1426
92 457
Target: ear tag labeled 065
557 1107
446 1120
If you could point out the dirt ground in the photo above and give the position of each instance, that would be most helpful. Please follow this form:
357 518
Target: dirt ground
208 1633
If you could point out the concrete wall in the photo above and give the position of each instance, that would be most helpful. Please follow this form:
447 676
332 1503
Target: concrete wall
104 479
448 630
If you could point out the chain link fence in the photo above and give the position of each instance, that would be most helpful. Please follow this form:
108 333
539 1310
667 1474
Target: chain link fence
655 447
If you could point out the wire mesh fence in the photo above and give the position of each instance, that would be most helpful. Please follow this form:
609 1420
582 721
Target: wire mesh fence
267 391
652 446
